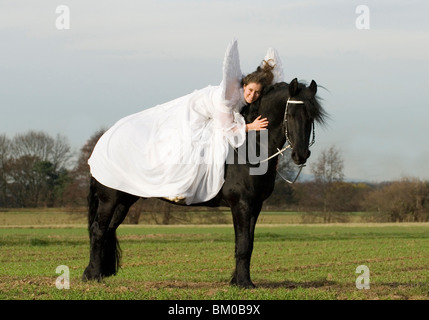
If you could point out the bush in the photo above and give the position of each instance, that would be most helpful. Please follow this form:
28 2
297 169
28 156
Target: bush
400 201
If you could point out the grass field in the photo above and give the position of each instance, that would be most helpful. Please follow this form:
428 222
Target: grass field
196 262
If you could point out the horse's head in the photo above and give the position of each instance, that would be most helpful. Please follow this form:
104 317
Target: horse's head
302 109
291 109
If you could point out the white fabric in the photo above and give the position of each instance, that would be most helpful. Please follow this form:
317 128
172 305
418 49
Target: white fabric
176 150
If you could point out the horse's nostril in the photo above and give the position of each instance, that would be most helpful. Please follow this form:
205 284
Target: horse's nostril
300 158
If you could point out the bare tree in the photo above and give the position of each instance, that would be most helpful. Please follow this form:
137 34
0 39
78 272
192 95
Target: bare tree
42 146
4 156
327 171
77 190
329 166
35 169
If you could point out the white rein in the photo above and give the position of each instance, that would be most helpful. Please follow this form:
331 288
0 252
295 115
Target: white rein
289 145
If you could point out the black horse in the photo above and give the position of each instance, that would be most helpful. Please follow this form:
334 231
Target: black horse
242 192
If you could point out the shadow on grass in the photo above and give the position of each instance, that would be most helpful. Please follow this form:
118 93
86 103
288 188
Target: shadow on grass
294 284
408 285
291 285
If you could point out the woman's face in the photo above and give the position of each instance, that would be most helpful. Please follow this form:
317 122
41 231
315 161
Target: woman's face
252 92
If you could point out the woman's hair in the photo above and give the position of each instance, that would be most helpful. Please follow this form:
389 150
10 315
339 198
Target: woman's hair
262 75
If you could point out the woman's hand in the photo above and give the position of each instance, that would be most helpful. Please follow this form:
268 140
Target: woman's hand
258 124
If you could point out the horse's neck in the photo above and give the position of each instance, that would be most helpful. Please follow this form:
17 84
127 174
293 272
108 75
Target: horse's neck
277 135
277 99
276 140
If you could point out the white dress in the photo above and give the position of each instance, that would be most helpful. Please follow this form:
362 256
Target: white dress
176 150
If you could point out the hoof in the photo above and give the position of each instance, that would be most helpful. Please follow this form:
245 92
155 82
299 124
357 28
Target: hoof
245 284
89 276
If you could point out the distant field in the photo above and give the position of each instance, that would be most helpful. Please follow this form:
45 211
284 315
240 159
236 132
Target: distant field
195 262
29 217
38 217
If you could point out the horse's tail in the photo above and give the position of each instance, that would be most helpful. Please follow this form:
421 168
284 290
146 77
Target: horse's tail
92 202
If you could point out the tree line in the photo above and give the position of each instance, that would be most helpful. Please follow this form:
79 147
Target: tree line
328 195
39 170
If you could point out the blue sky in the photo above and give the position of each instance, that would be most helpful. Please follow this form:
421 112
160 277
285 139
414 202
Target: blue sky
120 57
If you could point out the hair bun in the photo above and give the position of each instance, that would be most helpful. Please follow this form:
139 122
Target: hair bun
263 75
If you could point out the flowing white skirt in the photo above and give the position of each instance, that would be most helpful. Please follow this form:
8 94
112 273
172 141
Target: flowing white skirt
175 150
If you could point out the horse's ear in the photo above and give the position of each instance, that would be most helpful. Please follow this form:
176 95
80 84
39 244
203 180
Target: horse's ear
313 87
293 87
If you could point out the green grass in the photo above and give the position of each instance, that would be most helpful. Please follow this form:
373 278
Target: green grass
196 262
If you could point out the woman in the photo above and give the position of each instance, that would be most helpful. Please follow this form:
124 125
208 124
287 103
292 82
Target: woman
177 150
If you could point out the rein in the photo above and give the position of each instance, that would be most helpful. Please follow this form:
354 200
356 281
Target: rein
289 144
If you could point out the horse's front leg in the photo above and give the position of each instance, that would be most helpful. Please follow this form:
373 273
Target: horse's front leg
245 215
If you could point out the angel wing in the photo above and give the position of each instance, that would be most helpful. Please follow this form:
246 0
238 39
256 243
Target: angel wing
273 58
231 75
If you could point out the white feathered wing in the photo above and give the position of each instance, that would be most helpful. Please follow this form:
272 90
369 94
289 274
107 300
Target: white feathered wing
232 75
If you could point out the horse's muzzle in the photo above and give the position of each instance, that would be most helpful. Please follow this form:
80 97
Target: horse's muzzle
300 157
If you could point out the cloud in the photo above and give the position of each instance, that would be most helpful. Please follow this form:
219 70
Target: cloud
192 29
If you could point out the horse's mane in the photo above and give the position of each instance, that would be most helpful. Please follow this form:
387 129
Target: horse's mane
313 105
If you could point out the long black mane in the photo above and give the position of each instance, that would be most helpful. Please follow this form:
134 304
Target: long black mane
313 106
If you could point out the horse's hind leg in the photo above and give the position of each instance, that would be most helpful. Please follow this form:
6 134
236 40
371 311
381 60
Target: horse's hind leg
111 254
111 210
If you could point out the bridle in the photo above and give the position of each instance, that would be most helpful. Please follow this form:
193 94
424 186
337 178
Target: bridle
285 124
289 143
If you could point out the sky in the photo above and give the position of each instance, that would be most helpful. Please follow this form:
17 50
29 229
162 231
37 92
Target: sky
120 57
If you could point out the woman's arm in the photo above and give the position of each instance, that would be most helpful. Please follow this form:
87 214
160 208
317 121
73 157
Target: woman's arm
258 124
